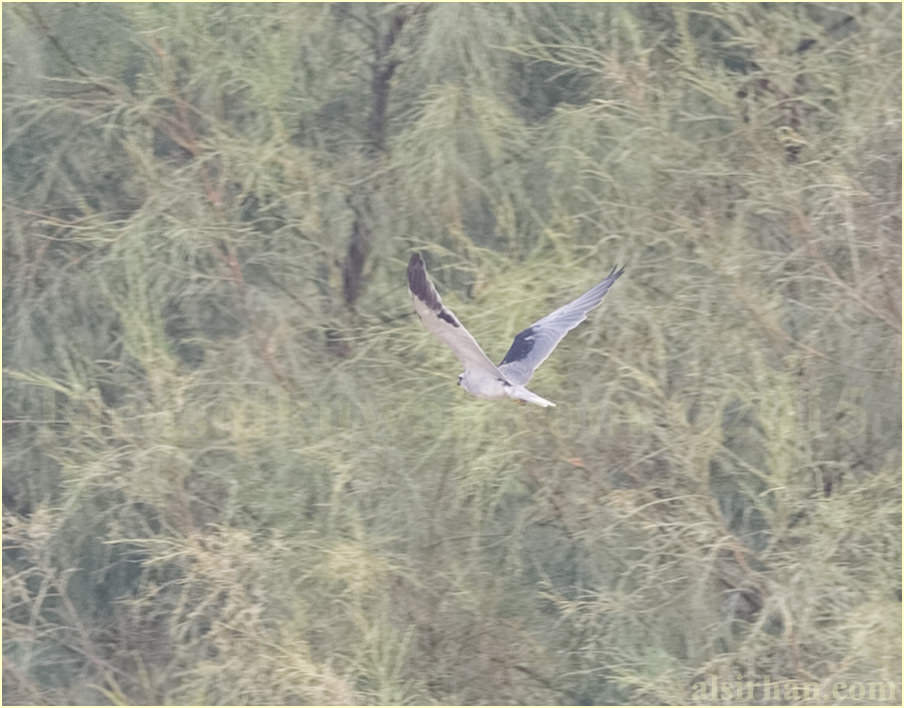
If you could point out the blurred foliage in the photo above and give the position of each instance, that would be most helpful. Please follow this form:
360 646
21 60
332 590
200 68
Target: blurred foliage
237 469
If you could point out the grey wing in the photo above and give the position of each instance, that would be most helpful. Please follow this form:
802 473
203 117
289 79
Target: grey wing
440 321
534 344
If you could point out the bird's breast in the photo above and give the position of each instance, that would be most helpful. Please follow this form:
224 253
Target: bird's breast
484 385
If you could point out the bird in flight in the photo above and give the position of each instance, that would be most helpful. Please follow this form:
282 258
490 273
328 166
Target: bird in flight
481 377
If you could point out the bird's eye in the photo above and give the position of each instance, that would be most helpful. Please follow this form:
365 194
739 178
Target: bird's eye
459 379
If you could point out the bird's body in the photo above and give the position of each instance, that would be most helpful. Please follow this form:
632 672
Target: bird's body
485 384
530 348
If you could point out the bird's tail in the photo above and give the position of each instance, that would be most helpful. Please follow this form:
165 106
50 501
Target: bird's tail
522 394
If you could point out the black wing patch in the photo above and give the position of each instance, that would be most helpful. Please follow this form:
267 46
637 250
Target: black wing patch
424 291
444 314
521 347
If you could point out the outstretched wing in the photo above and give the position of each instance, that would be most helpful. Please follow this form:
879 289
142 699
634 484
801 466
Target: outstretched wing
534 344
440 321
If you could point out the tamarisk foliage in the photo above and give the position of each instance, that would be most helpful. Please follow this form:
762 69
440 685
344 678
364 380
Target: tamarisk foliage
237 471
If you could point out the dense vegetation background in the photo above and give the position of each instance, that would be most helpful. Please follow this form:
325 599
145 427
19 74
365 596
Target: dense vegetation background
238 470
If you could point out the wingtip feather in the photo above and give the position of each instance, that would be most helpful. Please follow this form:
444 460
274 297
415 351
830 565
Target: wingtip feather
417 277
